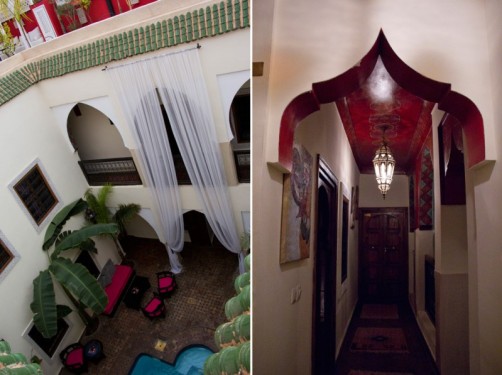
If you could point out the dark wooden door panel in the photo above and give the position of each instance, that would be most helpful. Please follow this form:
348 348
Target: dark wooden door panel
383 254
324 293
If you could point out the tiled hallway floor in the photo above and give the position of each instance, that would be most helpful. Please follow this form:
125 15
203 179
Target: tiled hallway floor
194 311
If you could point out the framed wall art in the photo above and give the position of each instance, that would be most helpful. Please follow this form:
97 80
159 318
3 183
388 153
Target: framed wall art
296 205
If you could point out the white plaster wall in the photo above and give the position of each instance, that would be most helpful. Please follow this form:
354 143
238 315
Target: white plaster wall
485 259
27 135
453 240
370 196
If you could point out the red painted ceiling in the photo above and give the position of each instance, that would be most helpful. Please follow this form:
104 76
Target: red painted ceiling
380 109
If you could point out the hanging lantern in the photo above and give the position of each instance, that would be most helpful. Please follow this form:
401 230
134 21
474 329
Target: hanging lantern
384 168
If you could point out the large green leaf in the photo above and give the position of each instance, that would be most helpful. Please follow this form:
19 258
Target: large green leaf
77 279
77 237
44 305
60 219
86 245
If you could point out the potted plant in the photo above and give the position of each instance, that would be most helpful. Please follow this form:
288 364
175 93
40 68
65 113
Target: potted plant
77 282
245 242
15 9
7 41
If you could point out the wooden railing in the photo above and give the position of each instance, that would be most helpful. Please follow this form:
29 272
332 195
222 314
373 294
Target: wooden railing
243 165
118 171
430 292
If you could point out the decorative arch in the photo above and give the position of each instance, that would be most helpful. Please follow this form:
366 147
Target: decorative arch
455 104
229 85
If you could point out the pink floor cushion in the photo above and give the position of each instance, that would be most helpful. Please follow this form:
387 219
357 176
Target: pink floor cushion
153 305
76 357
165 282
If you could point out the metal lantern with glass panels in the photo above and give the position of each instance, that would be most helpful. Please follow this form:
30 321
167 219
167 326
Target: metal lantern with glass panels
384 163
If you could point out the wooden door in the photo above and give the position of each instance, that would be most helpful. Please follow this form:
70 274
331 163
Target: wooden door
324 309
383 254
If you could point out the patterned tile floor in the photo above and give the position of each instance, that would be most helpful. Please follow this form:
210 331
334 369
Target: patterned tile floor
193 312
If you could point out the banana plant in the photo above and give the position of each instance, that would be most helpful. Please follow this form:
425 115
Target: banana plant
80 286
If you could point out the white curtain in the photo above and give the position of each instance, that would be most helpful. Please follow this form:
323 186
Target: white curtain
181 85
141 106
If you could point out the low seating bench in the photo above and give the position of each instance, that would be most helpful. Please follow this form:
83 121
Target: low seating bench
123 275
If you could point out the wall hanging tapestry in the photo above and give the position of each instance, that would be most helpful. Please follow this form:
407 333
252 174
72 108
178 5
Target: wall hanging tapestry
296 200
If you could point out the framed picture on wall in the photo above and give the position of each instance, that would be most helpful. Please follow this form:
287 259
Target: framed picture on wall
296 205
354 205
345 237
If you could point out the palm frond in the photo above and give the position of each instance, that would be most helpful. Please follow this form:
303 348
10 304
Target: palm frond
104 193
97 203
125 213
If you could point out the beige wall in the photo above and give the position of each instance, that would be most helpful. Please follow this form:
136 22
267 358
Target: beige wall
370 196
457 42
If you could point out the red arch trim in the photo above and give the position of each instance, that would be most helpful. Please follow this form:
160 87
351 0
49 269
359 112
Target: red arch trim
329 91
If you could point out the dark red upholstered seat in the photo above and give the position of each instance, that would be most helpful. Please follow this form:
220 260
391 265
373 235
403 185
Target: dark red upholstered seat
166 283
155 308
73 358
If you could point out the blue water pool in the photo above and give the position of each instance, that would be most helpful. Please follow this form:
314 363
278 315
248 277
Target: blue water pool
190 361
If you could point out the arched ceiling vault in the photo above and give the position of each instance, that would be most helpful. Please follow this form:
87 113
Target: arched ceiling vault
383 97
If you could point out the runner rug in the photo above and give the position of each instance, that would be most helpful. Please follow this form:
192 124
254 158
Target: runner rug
362 372
376 311
379 340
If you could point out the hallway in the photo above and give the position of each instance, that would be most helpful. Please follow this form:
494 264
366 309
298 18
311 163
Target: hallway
384 340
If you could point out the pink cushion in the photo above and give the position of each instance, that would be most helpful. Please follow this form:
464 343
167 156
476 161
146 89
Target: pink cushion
152 305
165 282
76 357
115 288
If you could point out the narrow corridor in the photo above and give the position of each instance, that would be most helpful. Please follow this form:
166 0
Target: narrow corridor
384 340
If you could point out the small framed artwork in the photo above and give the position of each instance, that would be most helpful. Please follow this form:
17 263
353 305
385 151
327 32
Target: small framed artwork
345 237
354 205
296 203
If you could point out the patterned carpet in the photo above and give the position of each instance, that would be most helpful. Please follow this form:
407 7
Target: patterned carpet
379 340
384 340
